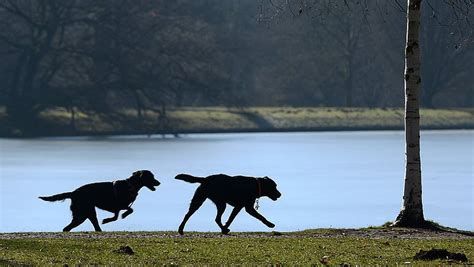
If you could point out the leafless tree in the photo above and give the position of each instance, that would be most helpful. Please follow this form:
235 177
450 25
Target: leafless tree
411 214
35 36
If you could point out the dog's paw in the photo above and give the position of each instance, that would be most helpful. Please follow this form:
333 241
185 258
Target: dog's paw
181 231
225 231
104 221
271 225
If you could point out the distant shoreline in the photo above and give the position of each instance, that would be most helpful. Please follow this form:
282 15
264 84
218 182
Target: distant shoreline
236 131
193 120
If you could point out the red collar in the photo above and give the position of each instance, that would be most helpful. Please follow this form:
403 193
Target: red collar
259 188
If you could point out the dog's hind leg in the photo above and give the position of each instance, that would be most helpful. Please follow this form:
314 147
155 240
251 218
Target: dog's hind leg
198 198
126 213
111 219
78 217
92 216
76 221
250 210
220 210
234 213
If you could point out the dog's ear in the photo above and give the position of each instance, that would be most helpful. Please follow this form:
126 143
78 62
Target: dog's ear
138 174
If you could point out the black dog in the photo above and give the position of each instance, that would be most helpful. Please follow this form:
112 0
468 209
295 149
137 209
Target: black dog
238 191
109 196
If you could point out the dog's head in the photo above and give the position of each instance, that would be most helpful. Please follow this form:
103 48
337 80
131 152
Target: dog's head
269 188
146 178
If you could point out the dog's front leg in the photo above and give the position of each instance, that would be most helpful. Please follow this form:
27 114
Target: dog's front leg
220 211
127 212
234 213
250 210
111 219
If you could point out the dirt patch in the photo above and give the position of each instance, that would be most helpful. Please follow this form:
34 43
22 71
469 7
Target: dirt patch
388 232
124 250
440 254
373 233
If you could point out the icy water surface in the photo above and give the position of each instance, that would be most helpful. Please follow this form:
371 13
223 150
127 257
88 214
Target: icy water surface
328 179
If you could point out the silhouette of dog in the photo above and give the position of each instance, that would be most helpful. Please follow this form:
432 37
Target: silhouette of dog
109 196
238 191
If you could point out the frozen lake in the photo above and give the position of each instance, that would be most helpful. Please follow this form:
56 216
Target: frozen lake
328 179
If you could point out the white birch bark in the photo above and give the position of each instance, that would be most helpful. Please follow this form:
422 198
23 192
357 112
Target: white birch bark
411 213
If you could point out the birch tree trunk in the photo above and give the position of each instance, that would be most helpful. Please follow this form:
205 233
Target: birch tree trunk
411 214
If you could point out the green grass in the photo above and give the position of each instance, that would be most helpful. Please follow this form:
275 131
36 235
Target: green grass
192 119
219 119
378 118
300 249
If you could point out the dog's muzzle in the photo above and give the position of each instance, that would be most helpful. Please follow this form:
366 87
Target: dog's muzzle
275 196
152 187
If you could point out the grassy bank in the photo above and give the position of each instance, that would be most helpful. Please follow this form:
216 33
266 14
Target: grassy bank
308 247
57 121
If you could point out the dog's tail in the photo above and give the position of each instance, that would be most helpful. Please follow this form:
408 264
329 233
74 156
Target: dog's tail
57 197
189 178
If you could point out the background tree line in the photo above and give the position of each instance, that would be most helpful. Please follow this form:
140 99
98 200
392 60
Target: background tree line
105 56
